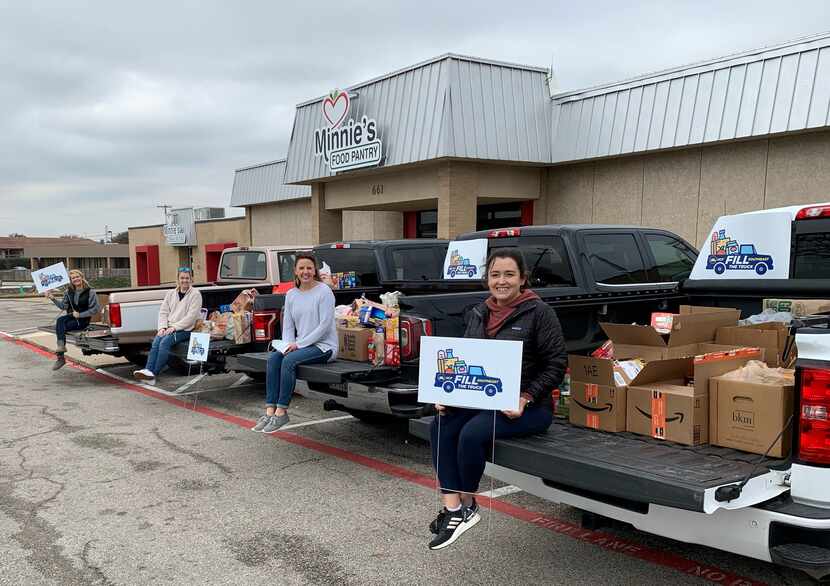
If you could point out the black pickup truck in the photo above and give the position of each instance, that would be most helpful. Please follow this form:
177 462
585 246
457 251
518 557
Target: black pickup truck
588 273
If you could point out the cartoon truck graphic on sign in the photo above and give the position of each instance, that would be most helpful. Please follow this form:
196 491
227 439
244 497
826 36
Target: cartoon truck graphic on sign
453 373
459 264
727 254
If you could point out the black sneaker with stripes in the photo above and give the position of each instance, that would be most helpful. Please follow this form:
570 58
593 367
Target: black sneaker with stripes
453 525
436 523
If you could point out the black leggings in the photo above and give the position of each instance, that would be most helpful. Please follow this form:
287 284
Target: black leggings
467 439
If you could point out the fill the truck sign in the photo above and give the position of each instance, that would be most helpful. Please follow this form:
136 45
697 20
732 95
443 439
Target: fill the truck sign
749 246
463 372
343 144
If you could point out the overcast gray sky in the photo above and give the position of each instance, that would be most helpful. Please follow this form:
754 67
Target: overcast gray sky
110 108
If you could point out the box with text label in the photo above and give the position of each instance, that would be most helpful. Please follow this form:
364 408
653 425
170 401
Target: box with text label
598 391
749 416
353 343
773 337
669 398
689 327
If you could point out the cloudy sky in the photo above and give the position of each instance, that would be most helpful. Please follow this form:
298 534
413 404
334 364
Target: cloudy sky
111 108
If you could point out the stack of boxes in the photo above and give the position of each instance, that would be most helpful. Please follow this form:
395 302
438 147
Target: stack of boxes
680 385
371 333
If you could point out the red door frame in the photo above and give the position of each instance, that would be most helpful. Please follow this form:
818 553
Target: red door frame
147 265
213 252
410 224
527 213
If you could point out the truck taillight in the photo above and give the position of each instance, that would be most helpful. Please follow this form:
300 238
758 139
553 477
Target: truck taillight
115 315
811 212
412 329
814 423
263 324
504 233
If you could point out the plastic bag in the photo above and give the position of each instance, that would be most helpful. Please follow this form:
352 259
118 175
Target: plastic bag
325 274
758 372
391 299
244 301
768 315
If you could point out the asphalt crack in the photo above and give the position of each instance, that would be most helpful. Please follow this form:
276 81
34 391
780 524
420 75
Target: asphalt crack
193 454
100 576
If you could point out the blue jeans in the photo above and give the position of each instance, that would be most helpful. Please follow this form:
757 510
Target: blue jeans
281 373
67 323
467 440
160 350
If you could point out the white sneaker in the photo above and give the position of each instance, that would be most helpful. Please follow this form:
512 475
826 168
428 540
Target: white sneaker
144 374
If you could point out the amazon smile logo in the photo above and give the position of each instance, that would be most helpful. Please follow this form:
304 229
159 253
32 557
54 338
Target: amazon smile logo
608 407
678 416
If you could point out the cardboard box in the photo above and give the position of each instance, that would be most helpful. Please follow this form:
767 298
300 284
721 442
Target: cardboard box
669 398
353 343
690 326
798 307
773 337
749 416
598 392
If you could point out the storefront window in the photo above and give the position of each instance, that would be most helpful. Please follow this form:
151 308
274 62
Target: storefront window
427 224
503 215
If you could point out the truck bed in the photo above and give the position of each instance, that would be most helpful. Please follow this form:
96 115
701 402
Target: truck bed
331 373
625 469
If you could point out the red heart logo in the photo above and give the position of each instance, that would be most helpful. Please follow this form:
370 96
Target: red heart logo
336 108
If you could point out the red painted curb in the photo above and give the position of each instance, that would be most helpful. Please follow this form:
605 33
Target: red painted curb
599 539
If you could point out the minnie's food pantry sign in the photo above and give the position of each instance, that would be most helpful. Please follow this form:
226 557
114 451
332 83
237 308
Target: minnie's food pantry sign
346 145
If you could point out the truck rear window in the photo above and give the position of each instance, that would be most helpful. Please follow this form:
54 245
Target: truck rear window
812 256
545 256
343 260
286 266
417 263
249 264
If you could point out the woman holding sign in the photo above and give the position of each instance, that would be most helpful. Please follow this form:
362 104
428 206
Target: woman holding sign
464 437
309 336
80 302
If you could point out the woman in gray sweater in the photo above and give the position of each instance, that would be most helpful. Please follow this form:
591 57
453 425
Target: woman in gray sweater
309 335
80 302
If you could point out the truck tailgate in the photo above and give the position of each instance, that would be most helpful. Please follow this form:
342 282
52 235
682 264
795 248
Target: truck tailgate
332 373
631 467
95 337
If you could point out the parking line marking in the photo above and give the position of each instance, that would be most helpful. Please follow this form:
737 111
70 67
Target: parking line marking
127 381
190 383
606 541
316 422
500 492
242 380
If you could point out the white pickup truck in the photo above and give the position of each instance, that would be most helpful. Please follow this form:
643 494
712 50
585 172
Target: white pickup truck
776 510
130 316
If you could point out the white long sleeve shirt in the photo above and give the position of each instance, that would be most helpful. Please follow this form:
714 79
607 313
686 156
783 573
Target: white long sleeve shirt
308 319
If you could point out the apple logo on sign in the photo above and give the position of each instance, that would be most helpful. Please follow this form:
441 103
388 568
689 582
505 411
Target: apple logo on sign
336 107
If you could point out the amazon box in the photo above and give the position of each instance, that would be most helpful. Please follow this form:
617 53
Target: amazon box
669 399
598 391
773 337
749 416
690 326
353 343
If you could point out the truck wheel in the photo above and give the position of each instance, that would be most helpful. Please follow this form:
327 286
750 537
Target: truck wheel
136 358
372 418
448 387
761 268
471 273
490 390
451 272
720 268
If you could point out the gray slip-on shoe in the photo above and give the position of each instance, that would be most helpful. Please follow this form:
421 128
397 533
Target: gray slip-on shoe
275 422
261 423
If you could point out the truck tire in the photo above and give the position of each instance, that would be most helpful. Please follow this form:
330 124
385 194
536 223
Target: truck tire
448 387
371 417
761 268
137 358
490 390
720 268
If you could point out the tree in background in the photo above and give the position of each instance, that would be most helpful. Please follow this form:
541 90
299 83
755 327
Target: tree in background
121 238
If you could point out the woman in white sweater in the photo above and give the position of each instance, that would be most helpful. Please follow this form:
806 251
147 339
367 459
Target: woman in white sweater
309 331
179 311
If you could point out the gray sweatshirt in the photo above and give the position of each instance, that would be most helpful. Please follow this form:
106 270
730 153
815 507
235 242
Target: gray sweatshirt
64 304
309 319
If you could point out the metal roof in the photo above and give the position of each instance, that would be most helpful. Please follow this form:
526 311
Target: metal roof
450 106
776 89
264 183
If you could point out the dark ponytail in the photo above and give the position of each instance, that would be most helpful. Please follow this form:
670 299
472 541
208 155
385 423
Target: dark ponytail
305 256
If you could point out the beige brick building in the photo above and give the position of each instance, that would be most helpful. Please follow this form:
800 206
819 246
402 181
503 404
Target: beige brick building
456 144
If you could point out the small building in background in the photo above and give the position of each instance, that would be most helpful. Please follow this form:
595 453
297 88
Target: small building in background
191 237
94 258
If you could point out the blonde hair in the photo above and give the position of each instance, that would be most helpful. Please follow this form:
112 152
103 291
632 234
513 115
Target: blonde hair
80 274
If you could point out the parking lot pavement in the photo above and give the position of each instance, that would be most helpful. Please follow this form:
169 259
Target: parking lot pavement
112 483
